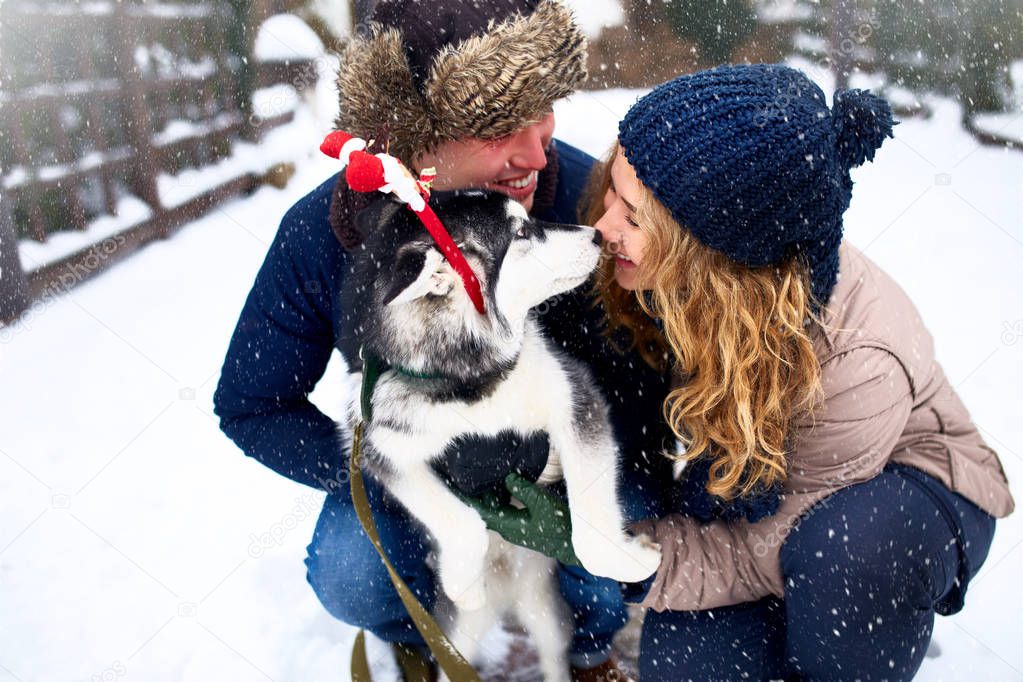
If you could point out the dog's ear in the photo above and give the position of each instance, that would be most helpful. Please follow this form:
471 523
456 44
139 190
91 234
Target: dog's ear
377 214
416 274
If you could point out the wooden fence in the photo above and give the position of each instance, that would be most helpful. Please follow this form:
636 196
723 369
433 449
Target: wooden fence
100 97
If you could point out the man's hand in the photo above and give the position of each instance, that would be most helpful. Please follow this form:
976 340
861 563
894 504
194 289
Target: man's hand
544 525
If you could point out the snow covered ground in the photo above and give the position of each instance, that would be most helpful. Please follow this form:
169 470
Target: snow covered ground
136 541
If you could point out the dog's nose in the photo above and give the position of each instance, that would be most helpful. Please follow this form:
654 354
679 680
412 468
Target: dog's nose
597 237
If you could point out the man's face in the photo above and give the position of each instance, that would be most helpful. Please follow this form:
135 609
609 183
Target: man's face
509 165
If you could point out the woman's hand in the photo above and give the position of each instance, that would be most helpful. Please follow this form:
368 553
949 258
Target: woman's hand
543 525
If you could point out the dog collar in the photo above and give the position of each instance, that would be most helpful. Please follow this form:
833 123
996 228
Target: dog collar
385 173
412 374
452 388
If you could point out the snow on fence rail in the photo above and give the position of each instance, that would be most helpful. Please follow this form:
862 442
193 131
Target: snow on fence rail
99 102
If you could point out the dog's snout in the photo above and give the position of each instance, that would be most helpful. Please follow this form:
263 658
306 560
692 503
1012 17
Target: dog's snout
597 237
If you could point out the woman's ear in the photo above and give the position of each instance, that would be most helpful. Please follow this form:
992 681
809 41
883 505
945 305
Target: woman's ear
417 274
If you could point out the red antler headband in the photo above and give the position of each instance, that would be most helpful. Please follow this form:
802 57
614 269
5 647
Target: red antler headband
385 173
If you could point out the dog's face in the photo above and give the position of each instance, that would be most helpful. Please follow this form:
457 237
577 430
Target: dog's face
519 261
541 260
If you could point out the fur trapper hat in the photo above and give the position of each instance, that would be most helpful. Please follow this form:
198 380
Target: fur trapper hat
428 72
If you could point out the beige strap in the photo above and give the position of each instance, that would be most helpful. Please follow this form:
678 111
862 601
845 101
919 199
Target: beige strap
450 661
360 665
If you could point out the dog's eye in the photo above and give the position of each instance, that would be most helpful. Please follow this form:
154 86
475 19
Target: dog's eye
522 233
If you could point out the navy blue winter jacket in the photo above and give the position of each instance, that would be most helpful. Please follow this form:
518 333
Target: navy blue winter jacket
289 327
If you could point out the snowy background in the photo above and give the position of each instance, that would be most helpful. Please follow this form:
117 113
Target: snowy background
137 542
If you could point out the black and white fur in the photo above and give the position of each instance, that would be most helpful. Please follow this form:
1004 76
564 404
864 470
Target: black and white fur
493 373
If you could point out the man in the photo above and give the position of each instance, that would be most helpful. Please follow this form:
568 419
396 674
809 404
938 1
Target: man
465 86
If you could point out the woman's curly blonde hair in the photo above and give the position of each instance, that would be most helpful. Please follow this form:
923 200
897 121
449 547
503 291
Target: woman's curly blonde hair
738 335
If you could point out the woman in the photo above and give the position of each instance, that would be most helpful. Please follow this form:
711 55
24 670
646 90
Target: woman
798 363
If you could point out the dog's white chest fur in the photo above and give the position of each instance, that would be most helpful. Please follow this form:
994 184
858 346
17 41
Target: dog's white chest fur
427 428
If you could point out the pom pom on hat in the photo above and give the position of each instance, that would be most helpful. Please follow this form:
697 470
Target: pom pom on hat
365 173
341 145
862 121
371 172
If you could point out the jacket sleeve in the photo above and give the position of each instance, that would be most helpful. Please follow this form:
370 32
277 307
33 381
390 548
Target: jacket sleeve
277 354
867 401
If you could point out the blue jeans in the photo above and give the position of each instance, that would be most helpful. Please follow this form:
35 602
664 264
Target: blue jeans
351 582
865 572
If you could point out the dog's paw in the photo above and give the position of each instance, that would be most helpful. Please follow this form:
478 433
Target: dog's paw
465 585
645 559
472 598
627 559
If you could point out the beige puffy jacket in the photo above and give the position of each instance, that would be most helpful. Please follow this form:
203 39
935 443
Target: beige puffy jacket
885 399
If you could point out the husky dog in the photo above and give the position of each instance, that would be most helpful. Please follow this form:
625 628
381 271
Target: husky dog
456 372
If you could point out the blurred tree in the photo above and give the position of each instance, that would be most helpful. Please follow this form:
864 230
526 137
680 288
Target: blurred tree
240 33
14 297
960 47
716 26
843 16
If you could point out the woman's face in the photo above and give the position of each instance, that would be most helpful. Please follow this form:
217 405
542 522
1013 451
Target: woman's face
624 238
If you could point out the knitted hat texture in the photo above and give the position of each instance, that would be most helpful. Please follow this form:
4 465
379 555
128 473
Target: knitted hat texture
751 160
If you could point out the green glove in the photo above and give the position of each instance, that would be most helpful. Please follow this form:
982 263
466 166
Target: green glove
544 525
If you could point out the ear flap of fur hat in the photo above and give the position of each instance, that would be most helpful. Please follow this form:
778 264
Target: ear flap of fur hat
376 90
486 86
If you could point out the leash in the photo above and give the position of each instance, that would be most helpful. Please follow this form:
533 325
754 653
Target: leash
451 662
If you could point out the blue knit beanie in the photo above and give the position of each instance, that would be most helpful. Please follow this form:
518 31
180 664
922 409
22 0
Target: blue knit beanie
752 162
